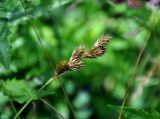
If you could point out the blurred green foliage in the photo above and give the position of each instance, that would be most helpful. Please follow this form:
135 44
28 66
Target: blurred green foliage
131 113
4 43
62 26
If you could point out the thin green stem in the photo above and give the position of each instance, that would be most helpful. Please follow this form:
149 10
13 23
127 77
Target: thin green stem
39 39
50 63
13 107
152 24
33 96
10 101
67 98
49 105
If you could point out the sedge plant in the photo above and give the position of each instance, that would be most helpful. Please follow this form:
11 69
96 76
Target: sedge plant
74 63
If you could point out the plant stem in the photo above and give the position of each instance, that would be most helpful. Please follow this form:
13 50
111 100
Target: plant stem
49 62
152 24
38 37
33 96
67 98
49 105
12 105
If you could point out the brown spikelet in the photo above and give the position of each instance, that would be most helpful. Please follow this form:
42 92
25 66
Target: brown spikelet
78 52
94 52
98 48
68 65
62 67
75 64
102 41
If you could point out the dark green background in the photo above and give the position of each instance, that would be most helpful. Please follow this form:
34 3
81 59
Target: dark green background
62 26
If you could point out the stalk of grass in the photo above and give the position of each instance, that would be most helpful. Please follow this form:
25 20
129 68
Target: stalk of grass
10 101
32 97
49 105
50 63
74 63
152 25
67 98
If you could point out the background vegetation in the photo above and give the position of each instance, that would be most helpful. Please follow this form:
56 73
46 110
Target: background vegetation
63 25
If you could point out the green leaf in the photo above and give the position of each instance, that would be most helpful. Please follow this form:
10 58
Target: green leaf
17 90
8 6
132 113
4 43
20 91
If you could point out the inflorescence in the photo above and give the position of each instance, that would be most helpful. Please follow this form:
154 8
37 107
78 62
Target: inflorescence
75 63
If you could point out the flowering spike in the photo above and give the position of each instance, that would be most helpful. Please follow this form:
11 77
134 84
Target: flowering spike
102 41
79 53
95 52
75 64
62 67
98 48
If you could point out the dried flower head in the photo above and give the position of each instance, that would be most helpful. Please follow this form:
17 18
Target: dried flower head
62 67
94 52
102 41
75 64
79 53
68 65
98 48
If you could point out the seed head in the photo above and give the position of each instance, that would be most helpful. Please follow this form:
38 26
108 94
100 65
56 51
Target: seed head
75 64
102 41
79 53
98 48
62 67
